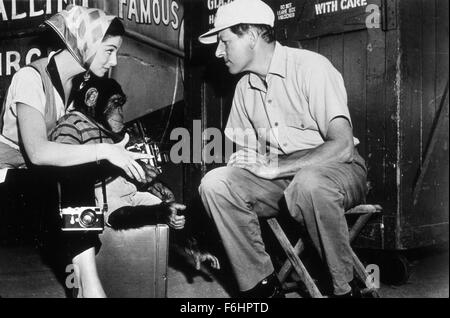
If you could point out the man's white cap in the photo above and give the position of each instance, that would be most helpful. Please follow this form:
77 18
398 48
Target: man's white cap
237 12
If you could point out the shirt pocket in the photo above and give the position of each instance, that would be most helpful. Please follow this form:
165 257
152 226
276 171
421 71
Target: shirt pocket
299 121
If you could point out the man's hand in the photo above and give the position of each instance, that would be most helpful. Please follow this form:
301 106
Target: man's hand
262 166
162 192
175 221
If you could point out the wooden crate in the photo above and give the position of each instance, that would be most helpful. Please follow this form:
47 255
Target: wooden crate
133 263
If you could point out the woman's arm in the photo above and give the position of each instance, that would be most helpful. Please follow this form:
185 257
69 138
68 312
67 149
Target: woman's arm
40 151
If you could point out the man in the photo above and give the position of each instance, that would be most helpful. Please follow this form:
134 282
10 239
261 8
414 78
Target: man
294 101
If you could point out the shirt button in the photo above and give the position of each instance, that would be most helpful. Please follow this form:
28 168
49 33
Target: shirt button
302 126
285 144
276 124
269 101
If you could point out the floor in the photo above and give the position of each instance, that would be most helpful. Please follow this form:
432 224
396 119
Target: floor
24 274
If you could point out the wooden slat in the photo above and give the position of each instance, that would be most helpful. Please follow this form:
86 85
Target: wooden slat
338 55
332 48
360 271
359 224
312 45
442 113
442 47
365 208
429 107
295 260
354 73
375 134
286 269
411 99
392 140
435 189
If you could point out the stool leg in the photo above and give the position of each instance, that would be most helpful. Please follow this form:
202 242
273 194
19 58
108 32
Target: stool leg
359 268
354 231
359 224
294 259
286 269
362 275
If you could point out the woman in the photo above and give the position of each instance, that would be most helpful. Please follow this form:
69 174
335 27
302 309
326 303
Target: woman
92 40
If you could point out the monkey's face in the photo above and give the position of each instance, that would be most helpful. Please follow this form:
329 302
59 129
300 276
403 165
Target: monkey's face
114 119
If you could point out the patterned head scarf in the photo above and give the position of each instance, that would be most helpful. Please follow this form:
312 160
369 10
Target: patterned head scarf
82 30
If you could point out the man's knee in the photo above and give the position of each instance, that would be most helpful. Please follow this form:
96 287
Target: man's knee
308 181
216 180
309 188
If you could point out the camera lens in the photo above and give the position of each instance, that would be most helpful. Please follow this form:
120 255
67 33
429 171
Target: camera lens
87 218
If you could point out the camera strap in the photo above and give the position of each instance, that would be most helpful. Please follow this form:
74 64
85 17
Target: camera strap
105 200
100 129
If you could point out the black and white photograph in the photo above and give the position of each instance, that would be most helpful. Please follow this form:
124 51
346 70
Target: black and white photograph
213 154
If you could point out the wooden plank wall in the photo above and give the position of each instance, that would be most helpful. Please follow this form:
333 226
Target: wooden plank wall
424 47
391 176
360 57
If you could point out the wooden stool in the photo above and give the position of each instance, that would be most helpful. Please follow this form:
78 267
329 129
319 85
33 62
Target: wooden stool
365 211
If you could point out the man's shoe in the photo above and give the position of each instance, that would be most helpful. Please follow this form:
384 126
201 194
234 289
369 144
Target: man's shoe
354 293
269 287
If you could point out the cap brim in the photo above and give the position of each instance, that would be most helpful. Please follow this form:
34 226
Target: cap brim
210 37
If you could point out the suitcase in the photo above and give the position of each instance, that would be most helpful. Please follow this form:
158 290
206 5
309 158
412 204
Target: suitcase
133 263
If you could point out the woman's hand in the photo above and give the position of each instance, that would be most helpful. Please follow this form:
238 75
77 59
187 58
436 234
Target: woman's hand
124 159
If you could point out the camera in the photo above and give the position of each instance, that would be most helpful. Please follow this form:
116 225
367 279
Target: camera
82 219
151 148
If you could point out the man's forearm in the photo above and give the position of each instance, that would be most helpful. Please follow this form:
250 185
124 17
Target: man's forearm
330 151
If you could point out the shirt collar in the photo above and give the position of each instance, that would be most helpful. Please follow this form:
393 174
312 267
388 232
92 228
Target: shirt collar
277 66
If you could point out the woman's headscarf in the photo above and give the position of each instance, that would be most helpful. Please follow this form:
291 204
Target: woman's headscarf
82 30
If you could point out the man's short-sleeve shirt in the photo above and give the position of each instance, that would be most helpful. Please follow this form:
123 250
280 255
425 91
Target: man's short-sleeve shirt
291 109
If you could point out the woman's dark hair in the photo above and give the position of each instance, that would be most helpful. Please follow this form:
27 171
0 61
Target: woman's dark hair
266 31
116 28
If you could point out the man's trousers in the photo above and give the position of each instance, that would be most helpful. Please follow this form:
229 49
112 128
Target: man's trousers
316 197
